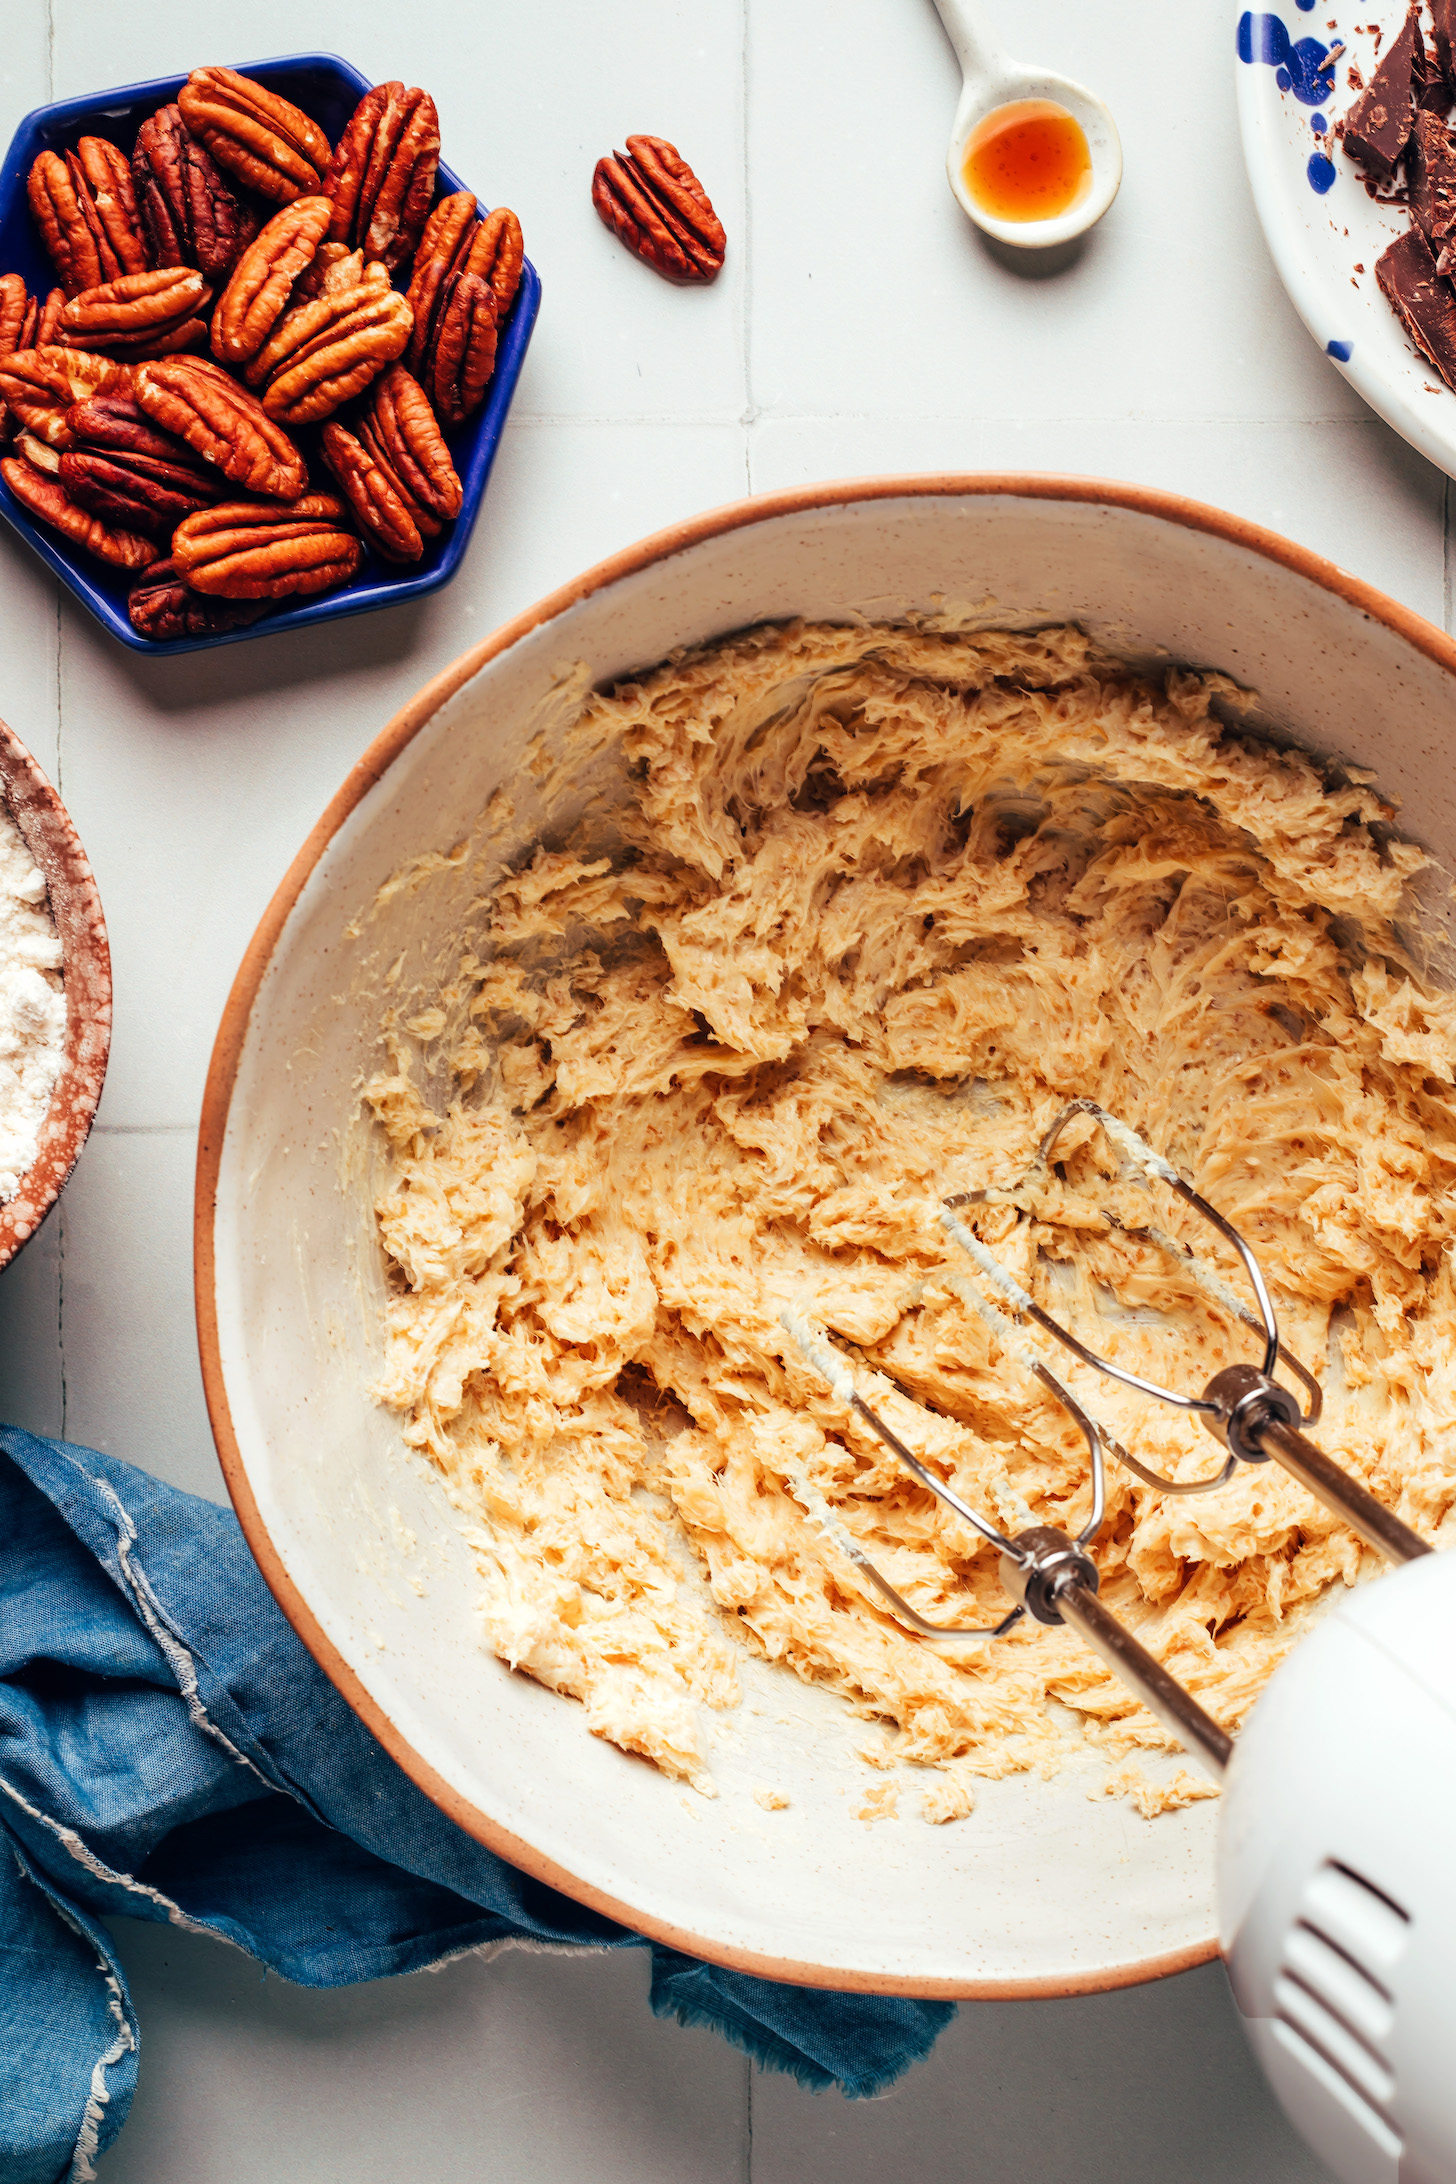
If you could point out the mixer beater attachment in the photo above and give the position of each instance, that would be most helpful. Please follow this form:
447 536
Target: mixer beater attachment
1050 1574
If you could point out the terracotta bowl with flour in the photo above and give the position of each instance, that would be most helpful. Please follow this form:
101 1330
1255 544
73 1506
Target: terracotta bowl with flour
1047 1888
45 828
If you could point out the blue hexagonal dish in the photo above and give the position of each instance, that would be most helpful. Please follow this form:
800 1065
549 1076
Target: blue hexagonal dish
328 89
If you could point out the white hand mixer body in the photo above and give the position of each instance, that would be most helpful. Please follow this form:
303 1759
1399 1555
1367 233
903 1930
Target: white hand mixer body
1337 1879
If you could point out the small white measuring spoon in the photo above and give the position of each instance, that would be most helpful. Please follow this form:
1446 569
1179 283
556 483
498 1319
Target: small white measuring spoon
993 80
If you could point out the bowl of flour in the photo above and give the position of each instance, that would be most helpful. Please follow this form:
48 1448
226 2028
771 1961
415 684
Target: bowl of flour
55 995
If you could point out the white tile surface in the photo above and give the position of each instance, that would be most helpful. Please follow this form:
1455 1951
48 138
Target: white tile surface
131 1381
1152 2083
860 326
872 293
540 2070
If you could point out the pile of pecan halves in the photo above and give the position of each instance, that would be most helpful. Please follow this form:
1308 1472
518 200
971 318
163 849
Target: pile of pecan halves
236 229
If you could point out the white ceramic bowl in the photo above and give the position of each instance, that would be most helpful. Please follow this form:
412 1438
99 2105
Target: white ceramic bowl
1318 219
1041 1891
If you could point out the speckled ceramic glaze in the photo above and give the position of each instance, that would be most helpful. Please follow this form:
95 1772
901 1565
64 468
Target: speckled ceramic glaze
1323 228
1045 1889
76 907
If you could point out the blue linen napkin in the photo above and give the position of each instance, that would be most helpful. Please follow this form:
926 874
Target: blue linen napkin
170 1751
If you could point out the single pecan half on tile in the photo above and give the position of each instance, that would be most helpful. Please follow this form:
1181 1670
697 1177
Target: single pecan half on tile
108 178
163 606
455 241
650 198
42 494
267 142
273 550
142 314
382 175
327 351
379 507
263 279
39 386
220 421
148 494
190 214
399 427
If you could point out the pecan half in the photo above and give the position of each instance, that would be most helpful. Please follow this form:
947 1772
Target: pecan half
39 386
142 314
257 295
108 178
15 306
163 606
650 197
382 175
142 493
454 241
46 498
70 226
267 142
398 426
221 422
190 215
459 352
116 420
327 350
34 316
379 508
245 550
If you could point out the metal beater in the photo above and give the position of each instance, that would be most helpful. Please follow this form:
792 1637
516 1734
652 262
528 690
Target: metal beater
1050 1574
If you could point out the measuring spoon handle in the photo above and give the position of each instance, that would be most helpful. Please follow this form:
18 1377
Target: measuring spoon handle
978 49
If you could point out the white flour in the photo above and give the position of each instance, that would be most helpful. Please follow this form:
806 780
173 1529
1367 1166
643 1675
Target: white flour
32 1007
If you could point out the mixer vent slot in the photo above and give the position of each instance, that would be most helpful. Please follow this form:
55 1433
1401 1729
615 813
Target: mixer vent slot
1333 1998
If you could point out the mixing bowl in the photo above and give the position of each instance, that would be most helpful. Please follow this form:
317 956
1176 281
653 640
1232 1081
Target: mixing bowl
1043 1890
46 829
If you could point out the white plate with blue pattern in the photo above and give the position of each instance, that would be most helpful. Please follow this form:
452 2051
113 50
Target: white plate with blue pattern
1323 228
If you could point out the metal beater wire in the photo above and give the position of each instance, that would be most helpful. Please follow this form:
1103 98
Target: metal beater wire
833 1367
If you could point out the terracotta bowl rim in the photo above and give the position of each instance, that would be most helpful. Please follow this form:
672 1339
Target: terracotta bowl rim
662 546
50 835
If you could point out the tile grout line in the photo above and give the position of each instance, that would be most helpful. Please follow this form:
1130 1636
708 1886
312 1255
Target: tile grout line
963 418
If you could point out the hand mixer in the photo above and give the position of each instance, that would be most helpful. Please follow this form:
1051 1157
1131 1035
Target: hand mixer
1337 1879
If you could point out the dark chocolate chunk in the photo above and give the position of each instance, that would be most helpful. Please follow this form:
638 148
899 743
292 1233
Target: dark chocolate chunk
1424 303
1443 27
1430 165
1377 128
